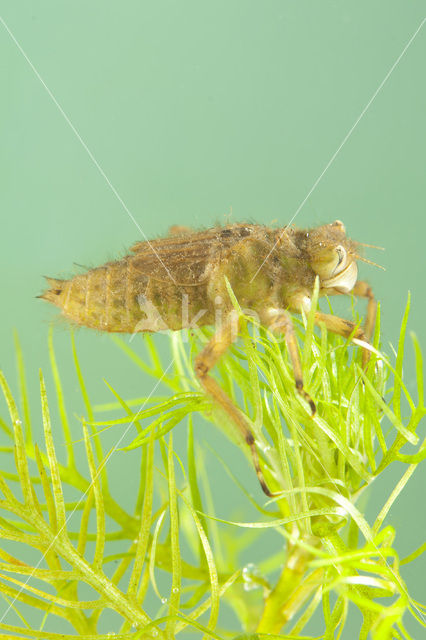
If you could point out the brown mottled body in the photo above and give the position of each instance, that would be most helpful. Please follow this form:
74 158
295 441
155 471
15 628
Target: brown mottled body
264 266
188 266
176 281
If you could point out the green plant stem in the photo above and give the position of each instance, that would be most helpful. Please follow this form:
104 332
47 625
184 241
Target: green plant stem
289 593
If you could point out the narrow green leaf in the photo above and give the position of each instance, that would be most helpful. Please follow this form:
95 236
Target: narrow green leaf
152 555
310 325
4 488
397 423
414 555
18 595
193 482
393 496
201 609
157 365
61 403
53 462
50 635
99 503
399 360
5 428
351 458
44 595
181 398
50 503
123 404
307 615
414 458
169 422
344 505
174 599
214 583
132 355
419 370
232 296
132 402
145 523
81 382
20 451
84 522
23 389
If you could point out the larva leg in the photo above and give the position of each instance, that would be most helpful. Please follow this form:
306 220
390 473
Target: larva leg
363 290
283 323
344 328
204 362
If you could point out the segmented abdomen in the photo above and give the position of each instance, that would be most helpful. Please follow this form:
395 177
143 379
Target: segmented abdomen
105 298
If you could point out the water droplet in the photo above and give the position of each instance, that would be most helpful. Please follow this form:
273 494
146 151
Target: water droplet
18 421
175 590
267 449
164 600
250 572
154 633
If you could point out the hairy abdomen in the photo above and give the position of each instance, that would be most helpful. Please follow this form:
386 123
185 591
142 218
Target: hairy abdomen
105 298
117 297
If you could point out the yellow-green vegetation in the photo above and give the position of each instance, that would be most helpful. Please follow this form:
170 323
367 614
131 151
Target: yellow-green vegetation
331 558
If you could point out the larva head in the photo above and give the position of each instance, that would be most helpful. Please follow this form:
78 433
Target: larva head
331 256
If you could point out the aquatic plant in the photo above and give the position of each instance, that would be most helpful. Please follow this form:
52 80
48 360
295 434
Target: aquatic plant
65 561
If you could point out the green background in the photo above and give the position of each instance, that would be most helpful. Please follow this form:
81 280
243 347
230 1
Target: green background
202 112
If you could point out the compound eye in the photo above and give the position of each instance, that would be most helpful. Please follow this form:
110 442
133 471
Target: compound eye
339 225
341 257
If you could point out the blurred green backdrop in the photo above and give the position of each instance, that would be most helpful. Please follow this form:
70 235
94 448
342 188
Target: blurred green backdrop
198 112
